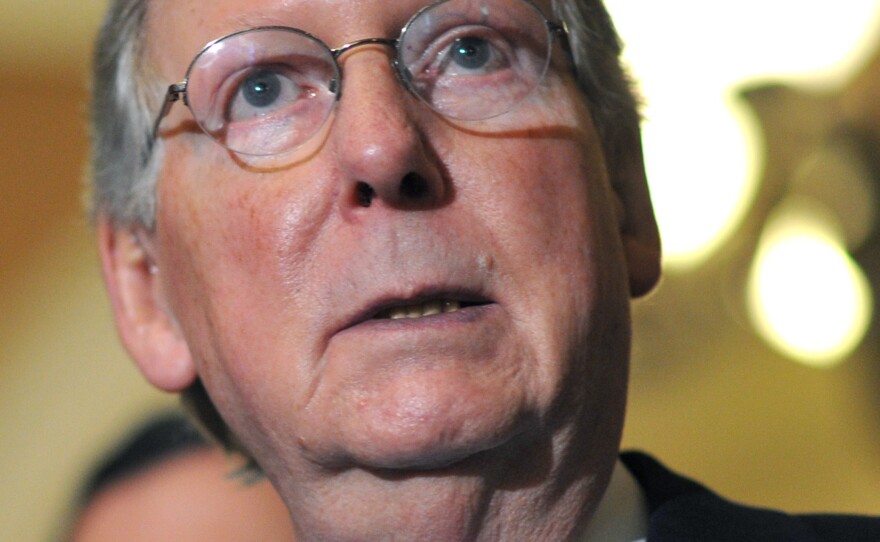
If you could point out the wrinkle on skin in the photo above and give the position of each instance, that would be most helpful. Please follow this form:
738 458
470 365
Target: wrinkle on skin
265 268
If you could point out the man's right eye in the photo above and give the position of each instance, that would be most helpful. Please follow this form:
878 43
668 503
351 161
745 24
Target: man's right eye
261 89
262 92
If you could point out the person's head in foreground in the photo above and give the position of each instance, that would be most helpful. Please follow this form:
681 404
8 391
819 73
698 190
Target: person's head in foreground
386 248
166 483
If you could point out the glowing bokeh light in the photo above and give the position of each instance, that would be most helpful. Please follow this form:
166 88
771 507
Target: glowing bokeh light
806 297
702 147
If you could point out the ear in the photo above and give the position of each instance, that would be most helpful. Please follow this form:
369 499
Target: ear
145 325
638 227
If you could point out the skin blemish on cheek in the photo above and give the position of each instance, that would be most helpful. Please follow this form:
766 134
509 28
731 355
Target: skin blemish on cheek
486 263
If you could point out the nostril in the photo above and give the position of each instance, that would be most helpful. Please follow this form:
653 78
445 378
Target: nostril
364 194
413 186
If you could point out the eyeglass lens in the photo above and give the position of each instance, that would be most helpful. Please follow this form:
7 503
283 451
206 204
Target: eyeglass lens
267 90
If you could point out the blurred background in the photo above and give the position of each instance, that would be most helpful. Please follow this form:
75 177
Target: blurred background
756 365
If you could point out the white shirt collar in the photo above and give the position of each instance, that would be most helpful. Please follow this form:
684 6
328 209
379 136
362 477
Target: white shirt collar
622 514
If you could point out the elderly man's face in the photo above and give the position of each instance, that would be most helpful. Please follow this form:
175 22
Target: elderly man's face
500 240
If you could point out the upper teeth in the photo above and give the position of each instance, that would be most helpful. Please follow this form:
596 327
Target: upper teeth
420 310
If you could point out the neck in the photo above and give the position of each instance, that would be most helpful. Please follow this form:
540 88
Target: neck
454 509
490 497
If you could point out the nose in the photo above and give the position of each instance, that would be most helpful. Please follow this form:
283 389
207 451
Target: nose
383 155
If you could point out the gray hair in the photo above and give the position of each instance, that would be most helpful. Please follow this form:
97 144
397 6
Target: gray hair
122 181
125 100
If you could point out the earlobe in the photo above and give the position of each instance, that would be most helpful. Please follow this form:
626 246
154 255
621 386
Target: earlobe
638 227
145 325
643 261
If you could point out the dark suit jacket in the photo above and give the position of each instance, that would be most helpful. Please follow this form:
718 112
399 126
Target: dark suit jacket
684 511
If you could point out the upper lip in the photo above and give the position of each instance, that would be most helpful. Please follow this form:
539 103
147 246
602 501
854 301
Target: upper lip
378 305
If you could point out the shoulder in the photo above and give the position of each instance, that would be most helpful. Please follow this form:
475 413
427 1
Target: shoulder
683 510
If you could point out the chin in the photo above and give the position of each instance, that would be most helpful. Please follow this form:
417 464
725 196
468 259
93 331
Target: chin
435 429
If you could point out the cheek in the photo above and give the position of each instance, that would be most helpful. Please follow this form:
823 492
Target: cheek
545 214
543 175
225 263
203 231
225 243
552 199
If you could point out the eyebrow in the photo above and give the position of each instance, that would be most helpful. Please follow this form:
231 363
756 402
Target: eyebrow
292 17
250 20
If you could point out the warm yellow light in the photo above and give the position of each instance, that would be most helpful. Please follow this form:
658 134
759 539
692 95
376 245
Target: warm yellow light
703 172
806 296
690 57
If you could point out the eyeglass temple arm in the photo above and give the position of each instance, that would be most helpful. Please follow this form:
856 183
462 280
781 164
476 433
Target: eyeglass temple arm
175 92
560 31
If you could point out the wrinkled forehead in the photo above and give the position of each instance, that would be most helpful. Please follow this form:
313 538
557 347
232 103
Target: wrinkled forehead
176 30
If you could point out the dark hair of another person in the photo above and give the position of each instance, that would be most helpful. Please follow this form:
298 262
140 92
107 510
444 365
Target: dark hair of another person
153 442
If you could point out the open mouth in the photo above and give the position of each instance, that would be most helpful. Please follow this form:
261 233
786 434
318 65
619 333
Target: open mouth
428 308
435 304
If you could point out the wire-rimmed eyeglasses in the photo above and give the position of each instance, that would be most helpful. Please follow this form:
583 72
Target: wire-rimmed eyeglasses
267 90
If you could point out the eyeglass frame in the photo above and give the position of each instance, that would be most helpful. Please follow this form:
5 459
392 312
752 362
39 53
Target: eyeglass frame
178 91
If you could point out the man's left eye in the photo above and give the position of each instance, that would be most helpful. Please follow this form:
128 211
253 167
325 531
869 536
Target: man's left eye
470 52
478 53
